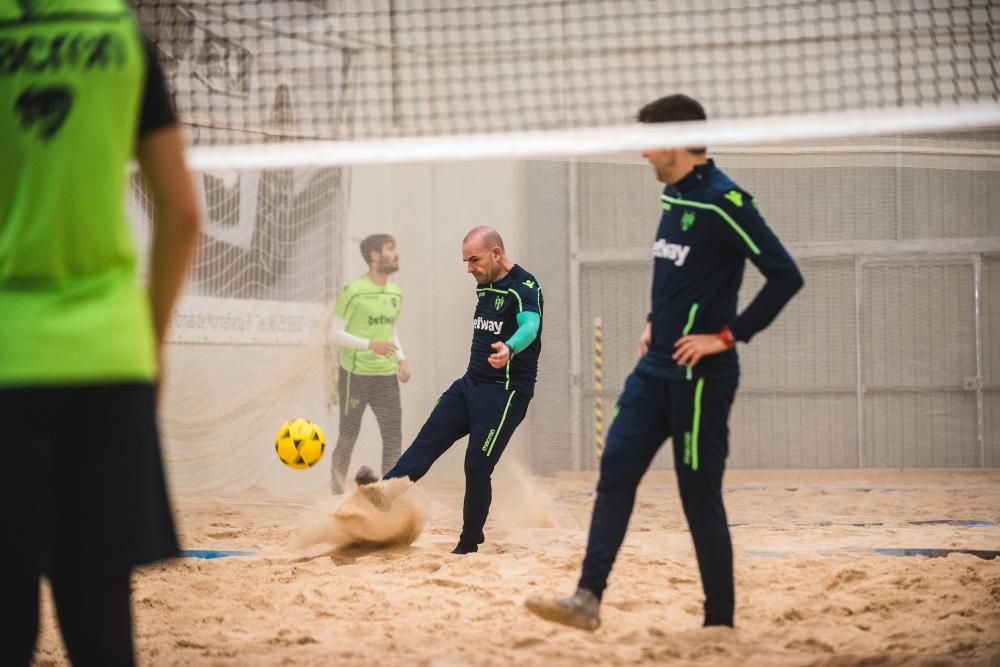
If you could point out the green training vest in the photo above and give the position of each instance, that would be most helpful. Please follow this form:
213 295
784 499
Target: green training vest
371 312
72 76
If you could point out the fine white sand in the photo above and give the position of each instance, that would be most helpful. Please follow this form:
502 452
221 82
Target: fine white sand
809 589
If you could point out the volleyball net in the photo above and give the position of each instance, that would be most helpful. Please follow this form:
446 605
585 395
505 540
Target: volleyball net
869 132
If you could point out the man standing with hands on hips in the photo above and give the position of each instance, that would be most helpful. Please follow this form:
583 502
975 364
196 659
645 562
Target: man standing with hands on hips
685 381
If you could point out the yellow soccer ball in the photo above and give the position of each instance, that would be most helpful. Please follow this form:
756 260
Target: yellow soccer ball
300 444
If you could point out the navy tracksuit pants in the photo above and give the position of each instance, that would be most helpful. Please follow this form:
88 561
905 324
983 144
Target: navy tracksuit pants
486 412
694 414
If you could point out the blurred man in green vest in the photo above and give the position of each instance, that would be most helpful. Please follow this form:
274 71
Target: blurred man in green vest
82 485
372 364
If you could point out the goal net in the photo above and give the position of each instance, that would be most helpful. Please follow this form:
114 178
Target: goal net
867 130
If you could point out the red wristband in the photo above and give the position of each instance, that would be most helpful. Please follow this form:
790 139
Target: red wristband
726 336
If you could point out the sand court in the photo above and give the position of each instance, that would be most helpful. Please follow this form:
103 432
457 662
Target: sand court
812 586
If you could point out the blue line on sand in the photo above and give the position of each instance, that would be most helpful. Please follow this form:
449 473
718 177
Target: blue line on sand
905 552
938 553
212 553
960 523
951 522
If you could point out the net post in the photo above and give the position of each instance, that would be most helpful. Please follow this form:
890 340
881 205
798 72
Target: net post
598 389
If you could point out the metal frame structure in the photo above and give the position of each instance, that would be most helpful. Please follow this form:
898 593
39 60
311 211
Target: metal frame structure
970 252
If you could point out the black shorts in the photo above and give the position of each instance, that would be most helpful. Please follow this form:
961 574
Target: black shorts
81 483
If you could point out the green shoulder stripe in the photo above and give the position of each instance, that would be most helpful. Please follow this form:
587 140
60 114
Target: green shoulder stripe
722 214
520 304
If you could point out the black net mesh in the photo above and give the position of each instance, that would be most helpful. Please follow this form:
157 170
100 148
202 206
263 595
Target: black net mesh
253 70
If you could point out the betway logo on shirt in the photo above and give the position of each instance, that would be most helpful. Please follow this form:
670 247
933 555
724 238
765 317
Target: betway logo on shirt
492 326
375 320
673 251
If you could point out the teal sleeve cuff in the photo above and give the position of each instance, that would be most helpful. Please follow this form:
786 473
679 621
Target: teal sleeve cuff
527 331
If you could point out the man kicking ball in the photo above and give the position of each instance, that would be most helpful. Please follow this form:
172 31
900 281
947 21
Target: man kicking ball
491 399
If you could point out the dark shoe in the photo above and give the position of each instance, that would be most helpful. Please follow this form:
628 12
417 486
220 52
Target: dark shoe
462 549
580 610
365 476
365 479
